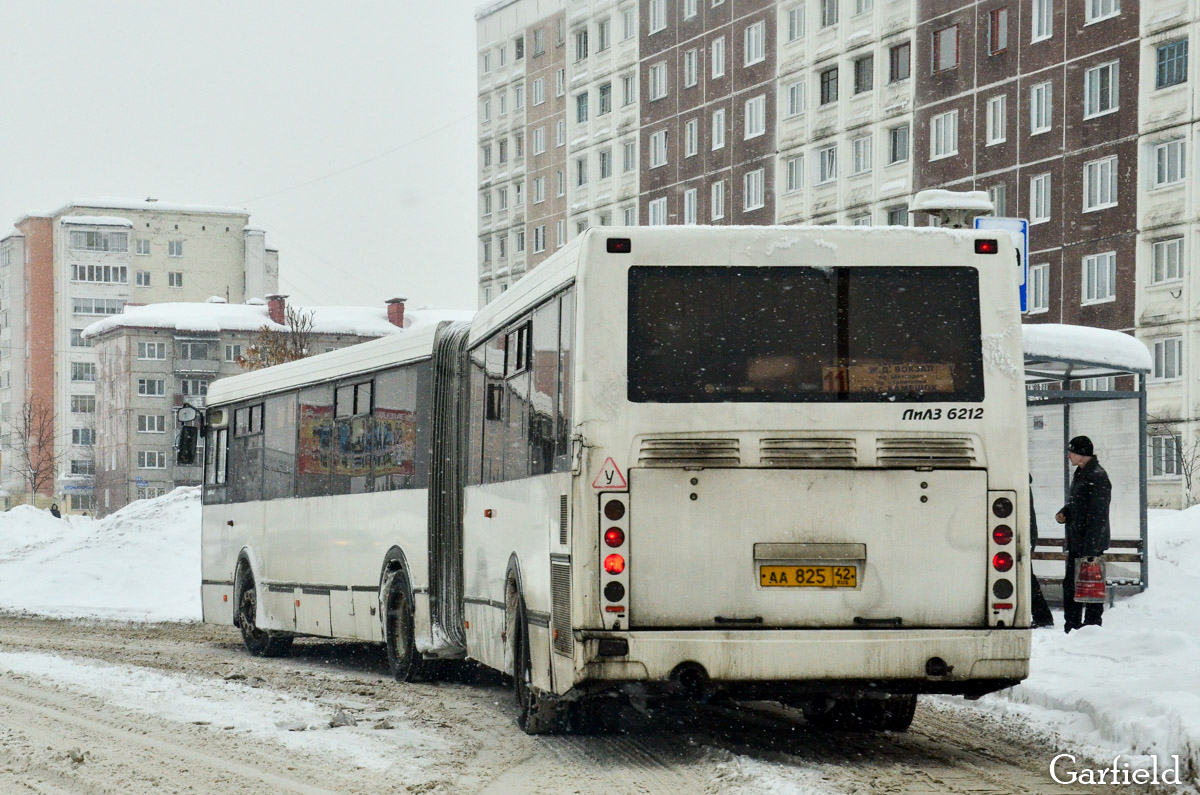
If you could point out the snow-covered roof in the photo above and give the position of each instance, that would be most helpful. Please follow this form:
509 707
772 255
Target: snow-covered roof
13 233
97 220
490 8
119 203
213 318
935 199
1057 342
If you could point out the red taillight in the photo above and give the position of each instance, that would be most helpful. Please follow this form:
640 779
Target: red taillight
1003 605
987 246
614 564
1002 561
614 537
1002 534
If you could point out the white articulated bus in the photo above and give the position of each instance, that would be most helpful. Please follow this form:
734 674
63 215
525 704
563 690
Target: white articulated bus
670 462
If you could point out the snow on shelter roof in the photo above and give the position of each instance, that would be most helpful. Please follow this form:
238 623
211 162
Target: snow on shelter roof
1052 345
97 220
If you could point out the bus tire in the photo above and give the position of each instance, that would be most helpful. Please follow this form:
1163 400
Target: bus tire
259 642
537 712
404 661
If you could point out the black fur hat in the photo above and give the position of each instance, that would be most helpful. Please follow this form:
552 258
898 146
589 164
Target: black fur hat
1080 445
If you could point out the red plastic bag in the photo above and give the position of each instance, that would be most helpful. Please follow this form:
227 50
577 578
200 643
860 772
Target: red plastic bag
1090 583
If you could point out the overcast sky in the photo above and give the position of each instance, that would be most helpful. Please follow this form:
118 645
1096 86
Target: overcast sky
241 103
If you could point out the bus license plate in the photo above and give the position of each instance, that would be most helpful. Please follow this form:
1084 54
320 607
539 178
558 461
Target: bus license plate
808 576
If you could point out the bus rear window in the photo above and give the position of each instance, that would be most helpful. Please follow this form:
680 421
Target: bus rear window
864 334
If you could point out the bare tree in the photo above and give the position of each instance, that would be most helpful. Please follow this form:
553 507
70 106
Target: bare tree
272 346
34 435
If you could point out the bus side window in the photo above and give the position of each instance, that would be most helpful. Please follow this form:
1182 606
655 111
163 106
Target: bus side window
516 409
493 429
543 397
394 431
314 452
566 339
478 397
214 467
279 447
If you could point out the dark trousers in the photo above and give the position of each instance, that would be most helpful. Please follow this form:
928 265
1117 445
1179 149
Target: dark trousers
1074 611
1039 611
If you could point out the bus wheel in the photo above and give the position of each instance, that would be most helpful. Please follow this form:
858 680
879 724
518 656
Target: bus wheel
259 642
537 713
404 661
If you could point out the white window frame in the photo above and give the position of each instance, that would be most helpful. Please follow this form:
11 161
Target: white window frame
151 351
755 42
174 248
1099 276
143 247
658 149
1100 10
753 190
1163 457
718 57
1166 260
997 119
1041 20
1097 101
1170 163
795 23
796 98
861 154
1039 198
658 81
1096 181
1041 108
718 129
629 157
794 167
690 201
656 211
717 207
691 138
943 135
1168 359
691 68
826 164
658 16
895 134
151 423
755 117
1038 288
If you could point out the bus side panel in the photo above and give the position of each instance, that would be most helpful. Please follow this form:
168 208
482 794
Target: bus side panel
227 529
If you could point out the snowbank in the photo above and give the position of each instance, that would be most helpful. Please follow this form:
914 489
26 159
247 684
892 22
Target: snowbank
142 563
1132 686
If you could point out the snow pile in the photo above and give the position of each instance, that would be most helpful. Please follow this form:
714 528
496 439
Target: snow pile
141 563
1132 686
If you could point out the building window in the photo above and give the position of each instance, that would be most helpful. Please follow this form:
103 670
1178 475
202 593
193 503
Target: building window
100 241
756 43
795 98
151 423
1169 163
658 81
945 48
1168 358
898 144
143 247
1043 20
1101 9
537 91
658 15
560 82
795 23
1166 260
1038 288
152 350
560 132
658 149
561 178
605 158
487 203
756 117
691 138
861 154
581 107
233 352
998 196
152 387
689 8
689 206
826 164
862 219
581 45
1170 64
1165 461
519 48
539 239
997 30
899 66
718 129
795 173
829 13
83 467
174 248
1039 199
581 171
829 85
718 199
604 99
519 241
691 69
151 459
1100 95
629 216
1040 108
539 141
103 274
864 74
943 135
1100 277
628 89
539 190
142 278
628 24
175 279
539 42
629 156
658 211
83 371
718 57
193 387
83 404
754 195
863 6
79 341
1100 184
996 119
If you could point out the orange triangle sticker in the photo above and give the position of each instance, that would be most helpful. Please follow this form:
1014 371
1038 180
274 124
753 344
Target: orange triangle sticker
610 477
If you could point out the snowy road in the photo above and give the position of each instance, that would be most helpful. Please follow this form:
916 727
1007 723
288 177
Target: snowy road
107 707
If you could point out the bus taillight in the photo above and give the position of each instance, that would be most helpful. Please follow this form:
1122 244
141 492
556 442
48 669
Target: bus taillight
1002 561
615 564
614 557
614 536
1002 534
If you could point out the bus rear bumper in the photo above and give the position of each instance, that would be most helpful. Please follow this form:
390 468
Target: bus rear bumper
966 662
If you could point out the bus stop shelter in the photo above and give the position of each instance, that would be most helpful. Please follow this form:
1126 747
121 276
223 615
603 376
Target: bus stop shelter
1110 408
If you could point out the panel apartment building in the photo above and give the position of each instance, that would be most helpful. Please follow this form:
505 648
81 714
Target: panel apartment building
1078 115
62 270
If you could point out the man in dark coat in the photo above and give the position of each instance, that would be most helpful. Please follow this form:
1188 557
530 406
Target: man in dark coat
1039 611
1086 518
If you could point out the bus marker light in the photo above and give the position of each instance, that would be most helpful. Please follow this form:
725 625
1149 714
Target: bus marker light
1003 534
615 609
487 513
614 564
297 603
1003 605
1002 561
619 245
614 537
225 597
987 246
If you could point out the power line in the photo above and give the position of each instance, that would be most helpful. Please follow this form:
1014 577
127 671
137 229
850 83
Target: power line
362 162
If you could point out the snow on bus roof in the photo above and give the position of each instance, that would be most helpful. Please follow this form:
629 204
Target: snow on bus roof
1061 342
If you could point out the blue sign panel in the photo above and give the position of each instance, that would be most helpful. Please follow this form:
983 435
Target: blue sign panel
1018 228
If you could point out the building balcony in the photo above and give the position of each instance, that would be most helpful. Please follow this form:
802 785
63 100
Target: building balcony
189 366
